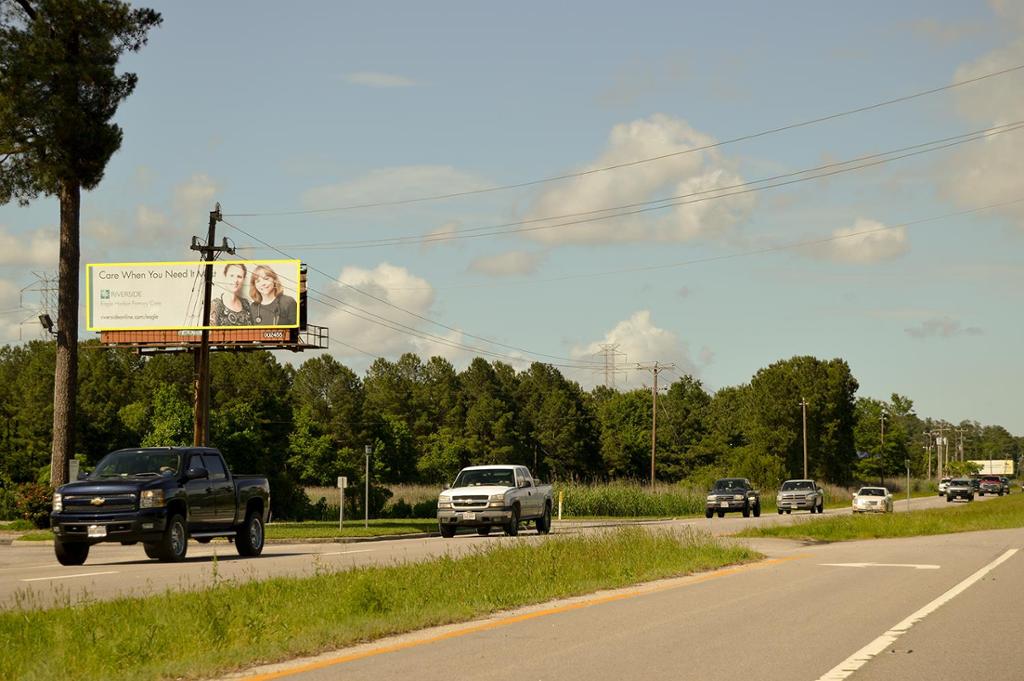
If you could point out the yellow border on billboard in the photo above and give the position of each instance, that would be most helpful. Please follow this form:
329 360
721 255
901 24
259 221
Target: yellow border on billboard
197 263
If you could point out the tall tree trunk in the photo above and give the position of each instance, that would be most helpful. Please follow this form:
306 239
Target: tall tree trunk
65 377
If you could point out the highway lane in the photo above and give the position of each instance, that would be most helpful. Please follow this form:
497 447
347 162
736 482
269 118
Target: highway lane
800 616
30 573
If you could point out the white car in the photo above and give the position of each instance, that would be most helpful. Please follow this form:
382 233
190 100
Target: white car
872 500
943 486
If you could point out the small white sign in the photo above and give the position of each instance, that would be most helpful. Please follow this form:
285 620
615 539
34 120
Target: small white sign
342 482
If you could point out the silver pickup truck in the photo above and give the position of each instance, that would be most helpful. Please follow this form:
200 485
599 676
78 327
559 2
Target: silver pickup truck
486 497
797 495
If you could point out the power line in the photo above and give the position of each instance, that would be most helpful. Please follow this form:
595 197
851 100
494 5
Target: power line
625 210
628 164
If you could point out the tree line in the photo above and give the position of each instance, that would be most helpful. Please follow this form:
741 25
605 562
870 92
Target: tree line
423 420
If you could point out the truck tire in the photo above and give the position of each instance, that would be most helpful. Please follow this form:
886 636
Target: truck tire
250 536
746 511
70 553
512 527
821 507
757 510
483 531
544 522
447 530
708 513
173 546
780 511
721 514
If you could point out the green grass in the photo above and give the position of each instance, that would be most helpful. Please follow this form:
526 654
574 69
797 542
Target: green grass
1003 513
353 528
229 625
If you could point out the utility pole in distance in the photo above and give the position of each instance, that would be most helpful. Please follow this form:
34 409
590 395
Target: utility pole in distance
803 411
201 418
655 369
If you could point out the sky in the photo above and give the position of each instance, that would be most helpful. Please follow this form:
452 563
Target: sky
631 178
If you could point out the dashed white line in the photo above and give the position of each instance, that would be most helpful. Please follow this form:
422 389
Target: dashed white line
81 574
343 553
851 664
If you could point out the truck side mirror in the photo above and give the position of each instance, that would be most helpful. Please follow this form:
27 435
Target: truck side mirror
197 473
82 475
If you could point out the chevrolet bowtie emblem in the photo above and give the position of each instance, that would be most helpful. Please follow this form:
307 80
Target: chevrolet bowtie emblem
98 501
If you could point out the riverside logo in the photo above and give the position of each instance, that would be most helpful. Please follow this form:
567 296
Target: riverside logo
107 294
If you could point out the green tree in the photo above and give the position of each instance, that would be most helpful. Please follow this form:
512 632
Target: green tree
59 91
682 427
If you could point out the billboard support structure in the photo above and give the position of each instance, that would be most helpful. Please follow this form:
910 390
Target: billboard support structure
201 417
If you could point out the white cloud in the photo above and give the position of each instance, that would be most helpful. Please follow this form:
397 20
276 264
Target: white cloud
683 174
195 197
867 241
387 184
641 341
378 80
942 327
38 248
507 264
988 171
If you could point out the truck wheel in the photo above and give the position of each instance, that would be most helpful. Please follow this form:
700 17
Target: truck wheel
721 514
447 530
173 546
483 531
746 511
512 527
821 508
780 511
544 522
757 510
249 538
70 553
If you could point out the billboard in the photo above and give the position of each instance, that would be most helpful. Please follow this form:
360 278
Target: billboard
994 466
253 294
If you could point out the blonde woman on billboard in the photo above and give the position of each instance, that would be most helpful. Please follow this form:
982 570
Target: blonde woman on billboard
270 306
230 308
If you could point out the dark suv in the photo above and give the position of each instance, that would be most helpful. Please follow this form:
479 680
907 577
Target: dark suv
733 494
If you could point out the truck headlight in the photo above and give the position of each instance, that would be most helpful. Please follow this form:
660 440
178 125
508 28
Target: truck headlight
496 501
444 501
152 498
58 502
738 497
810 497
712 497
778 498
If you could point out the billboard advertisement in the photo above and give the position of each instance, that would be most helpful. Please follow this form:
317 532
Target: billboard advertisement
253 294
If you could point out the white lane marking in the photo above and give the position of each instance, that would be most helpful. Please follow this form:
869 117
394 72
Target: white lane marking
82 574
342 553
862 656
924 566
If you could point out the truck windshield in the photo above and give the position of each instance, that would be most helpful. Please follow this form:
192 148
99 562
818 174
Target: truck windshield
137 463
483 477
797 485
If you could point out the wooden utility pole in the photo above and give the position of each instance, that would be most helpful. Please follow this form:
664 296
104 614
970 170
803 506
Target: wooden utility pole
655 369
803 411
201 417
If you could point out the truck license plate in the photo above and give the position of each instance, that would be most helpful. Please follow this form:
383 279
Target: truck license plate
97 531
724 504
469 516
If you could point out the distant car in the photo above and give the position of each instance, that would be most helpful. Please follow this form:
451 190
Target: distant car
976 484
1006 483
960 488
800 495
872 500
943 484
990 484
733 494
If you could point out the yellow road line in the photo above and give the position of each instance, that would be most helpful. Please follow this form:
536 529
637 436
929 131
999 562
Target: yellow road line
514 619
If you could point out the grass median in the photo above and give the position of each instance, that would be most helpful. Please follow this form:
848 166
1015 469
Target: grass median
232 625
997 514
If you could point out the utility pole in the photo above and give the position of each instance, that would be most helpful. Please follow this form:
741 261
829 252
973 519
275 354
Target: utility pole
655 369
201 357
881 453
803 412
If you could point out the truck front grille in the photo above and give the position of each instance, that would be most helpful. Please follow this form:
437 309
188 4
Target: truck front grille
99 503
469 502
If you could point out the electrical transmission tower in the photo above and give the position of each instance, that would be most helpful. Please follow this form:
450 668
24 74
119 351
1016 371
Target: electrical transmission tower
609 352
45 286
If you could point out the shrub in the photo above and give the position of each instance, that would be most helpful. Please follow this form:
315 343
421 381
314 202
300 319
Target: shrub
33 502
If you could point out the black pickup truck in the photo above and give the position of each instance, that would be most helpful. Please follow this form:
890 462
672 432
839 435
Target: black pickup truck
159 496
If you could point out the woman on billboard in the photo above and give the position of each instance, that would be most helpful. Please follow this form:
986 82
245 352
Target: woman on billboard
230 308
270 306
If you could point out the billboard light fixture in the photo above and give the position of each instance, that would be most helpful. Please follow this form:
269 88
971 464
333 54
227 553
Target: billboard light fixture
46 321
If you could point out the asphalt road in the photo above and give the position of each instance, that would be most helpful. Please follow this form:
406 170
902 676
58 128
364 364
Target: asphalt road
937 607
29 573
